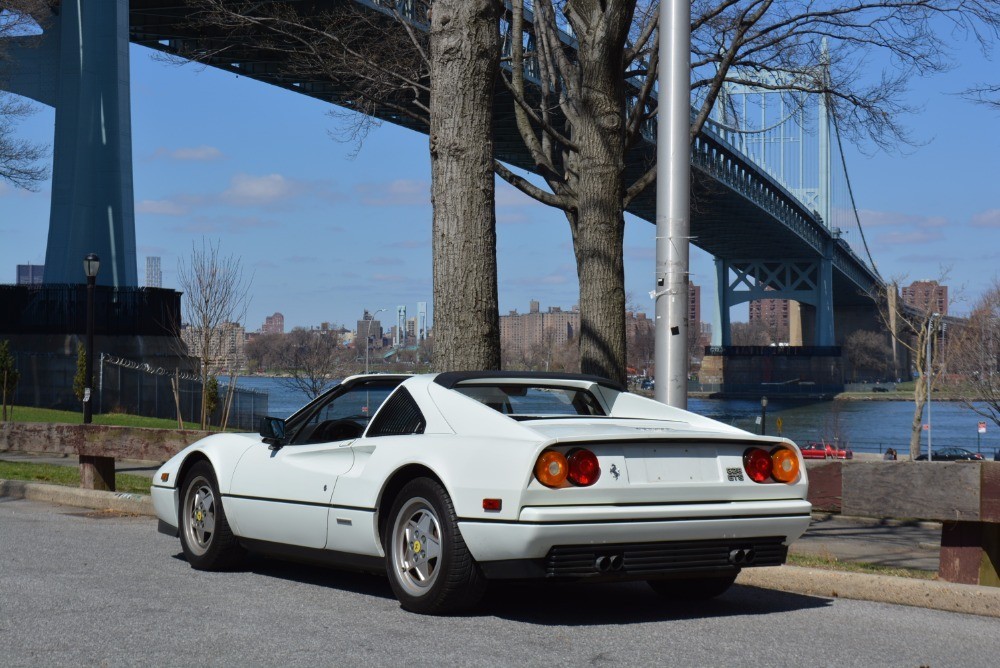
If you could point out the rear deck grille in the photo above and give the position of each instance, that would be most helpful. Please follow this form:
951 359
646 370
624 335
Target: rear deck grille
646 559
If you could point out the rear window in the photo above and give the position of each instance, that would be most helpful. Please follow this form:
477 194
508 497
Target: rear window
534 399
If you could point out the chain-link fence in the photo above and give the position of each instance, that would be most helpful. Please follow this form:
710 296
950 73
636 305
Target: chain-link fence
136 388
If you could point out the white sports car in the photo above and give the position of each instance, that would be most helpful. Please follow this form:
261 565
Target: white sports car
445 481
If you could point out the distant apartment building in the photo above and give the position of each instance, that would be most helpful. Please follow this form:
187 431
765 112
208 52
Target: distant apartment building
694 305
411 329
926 296
226 345
369 329
154 277
773 314
30 274
273 324
521 332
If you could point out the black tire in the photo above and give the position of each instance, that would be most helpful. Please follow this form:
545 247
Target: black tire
430 569
207 540
693 589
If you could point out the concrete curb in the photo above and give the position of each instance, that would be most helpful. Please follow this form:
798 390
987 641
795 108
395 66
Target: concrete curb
122 502
933 594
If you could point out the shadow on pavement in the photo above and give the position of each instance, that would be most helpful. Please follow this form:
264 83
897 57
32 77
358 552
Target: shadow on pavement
356 582
627 603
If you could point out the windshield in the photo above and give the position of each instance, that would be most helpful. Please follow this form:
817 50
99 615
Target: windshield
534 399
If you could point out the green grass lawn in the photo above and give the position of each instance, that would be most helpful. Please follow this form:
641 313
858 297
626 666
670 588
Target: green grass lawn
831 564
29 414
67 475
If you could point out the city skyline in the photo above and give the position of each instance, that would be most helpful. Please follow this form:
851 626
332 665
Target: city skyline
326 235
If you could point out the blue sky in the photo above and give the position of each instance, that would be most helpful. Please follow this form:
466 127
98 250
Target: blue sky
326 233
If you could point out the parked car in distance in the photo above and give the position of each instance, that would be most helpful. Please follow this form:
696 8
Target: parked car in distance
823 450
952 455
817 451
879 388
443 482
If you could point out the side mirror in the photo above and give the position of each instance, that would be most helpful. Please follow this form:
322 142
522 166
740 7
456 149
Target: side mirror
273 431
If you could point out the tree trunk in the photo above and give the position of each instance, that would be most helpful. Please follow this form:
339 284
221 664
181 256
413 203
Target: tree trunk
595 173
916 426
464 62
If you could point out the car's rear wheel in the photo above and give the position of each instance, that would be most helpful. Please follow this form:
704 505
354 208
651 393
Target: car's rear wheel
430 569
693 589
207 540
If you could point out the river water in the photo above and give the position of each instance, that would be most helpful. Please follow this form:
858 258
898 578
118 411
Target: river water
866 426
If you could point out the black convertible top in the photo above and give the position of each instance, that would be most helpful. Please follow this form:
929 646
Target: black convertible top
450 379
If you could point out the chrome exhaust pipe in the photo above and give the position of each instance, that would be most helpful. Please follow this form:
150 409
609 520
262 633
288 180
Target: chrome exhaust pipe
602 564
617 561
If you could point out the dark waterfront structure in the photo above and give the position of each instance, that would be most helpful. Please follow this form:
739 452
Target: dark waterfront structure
46 323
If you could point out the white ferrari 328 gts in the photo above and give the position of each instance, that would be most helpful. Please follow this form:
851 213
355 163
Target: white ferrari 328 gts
445 481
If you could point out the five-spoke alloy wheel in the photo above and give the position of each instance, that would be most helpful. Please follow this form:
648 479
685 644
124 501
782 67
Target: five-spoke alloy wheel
429 567
206 538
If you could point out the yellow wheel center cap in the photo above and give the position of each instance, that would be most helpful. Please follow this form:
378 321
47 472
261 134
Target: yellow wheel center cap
416 546
199 516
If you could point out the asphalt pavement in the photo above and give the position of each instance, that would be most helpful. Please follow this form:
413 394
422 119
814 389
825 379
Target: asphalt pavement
82 587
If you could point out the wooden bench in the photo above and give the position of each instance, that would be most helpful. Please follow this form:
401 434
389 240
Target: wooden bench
963 496
98 446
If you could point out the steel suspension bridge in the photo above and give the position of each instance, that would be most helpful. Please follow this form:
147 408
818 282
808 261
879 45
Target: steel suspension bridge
774 204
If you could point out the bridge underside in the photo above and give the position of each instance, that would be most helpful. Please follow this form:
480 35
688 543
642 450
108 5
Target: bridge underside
724 222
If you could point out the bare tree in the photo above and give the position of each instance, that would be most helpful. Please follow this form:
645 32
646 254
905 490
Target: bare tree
594 103
868 351
313 359
19 158
215 295
977 355
750 334
917 329
440 75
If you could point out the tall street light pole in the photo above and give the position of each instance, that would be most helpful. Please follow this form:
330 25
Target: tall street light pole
673 205
95 472
368 336
91 265
927 380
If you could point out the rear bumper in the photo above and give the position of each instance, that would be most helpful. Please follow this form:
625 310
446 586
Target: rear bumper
607 525
644 561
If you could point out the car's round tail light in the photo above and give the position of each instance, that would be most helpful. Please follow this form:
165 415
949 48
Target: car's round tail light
584 469
784 464
757 463
551 468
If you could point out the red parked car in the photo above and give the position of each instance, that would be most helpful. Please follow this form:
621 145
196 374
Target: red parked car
817 450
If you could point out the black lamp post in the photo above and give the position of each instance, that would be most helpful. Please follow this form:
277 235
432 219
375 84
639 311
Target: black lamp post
91 265
763 415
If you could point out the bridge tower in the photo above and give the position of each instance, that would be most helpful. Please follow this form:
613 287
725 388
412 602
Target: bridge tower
80 66
773 129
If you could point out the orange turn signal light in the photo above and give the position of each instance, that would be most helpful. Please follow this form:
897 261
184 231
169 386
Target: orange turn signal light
551 468
164 477
784 465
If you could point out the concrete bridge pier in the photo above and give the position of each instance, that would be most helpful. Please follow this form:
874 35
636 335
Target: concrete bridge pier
80 66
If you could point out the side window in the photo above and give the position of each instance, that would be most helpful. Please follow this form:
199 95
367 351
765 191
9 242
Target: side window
398 417
345 415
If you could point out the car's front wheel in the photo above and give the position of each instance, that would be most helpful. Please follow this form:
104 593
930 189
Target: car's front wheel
430 569
207 540
693 589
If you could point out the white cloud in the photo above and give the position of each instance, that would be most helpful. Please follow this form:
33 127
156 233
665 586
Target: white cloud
247 190
988 218
871 218
914 237
197 153
401 192
162 207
